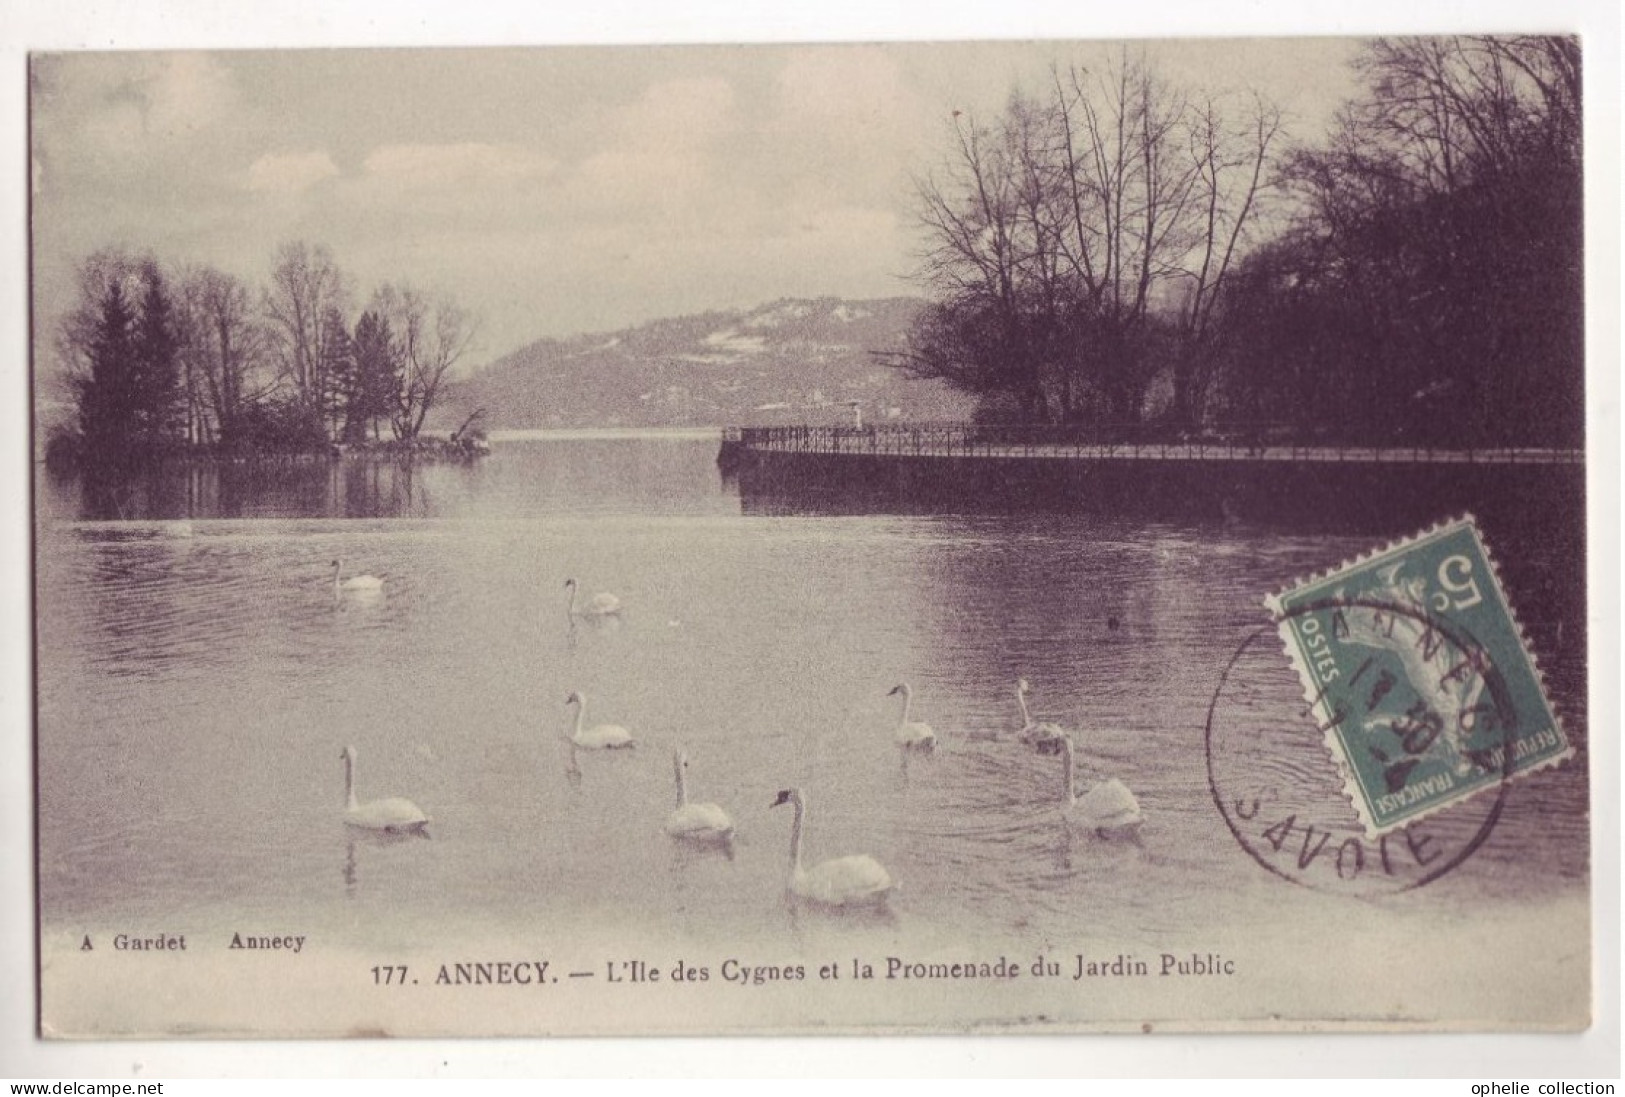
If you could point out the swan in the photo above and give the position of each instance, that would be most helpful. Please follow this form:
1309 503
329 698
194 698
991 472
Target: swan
1044 736
601 737
696 822
600 605
395 815
912 735
357 583
842 882
1108 808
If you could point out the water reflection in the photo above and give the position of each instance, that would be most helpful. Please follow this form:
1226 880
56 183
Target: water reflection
589 625
651 475
354 839
689 853
804 915
149 605
362 599
610 760
302 487
185 681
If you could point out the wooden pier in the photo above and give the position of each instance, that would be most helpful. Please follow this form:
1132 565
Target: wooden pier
1007 443
955 467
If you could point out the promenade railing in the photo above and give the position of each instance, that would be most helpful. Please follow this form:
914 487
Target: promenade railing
1062 443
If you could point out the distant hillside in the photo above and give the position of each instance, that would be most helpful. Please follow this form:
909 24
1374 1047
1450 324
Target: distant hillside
793 361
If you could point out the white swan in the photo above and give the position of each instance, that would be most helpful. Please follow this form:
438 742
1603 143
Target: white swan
1044 736
395 815
600 605
601 737
1108 808
696 822
911 734
842 882
356 583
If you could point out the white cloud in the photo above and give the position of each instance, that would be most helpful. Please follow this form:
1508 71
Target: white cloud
289 173
843 88
188 93
137 101
635 183
459 165
846 122
676 115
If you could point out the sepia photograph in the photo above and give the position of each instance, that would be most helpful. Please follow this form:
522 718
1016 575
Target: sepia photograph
916 537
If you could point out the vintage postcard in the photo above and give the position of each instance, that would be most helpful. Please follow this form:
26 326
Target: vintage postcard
1070 536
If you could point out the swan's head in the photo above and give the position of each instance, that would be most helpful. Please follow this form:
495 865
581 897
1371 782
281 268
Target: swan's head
786 796
901 687
336 564
573 699
1022 685
679 758
347 754
569 584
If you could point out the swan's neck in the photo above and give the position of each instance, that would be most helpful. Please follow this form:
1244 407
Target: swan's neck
581 714
682 787
570 610
1021 699
349 782
908 704
795 837
337 585
1070 782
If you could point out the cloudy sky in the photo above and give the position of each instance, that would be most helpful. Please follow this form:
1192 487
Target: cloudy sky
551 190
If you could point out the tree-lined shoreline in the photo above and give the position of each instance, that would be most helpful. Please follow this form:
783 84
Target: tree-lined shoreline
1122 255
172 362
1113 254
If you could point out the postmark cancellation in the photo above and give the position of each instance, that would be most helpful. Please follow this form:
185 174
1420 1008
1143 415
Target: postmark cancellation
1414 667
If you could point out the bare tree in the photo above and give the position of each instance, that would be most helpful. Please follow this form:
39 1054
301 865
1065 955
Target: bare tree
307 290
973 255
1454 110
431 334
1059 240
1231 161
1128 185
1432 285
224 348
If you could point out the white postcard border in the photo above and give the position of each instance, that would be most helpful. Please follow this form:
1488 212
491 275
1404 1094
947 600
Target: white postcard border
183 23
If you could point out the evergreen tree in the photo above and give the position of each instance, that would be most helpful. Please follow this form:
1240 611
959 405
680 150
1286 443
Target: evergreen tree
338 375
377 376
156 397
107 390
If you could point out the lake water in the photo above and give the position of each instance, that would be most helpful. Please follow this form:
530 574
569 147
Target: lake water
198 678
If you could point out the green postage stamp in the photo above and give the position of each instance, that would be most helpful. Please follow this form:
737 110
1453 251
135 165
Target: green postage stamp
1414 667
